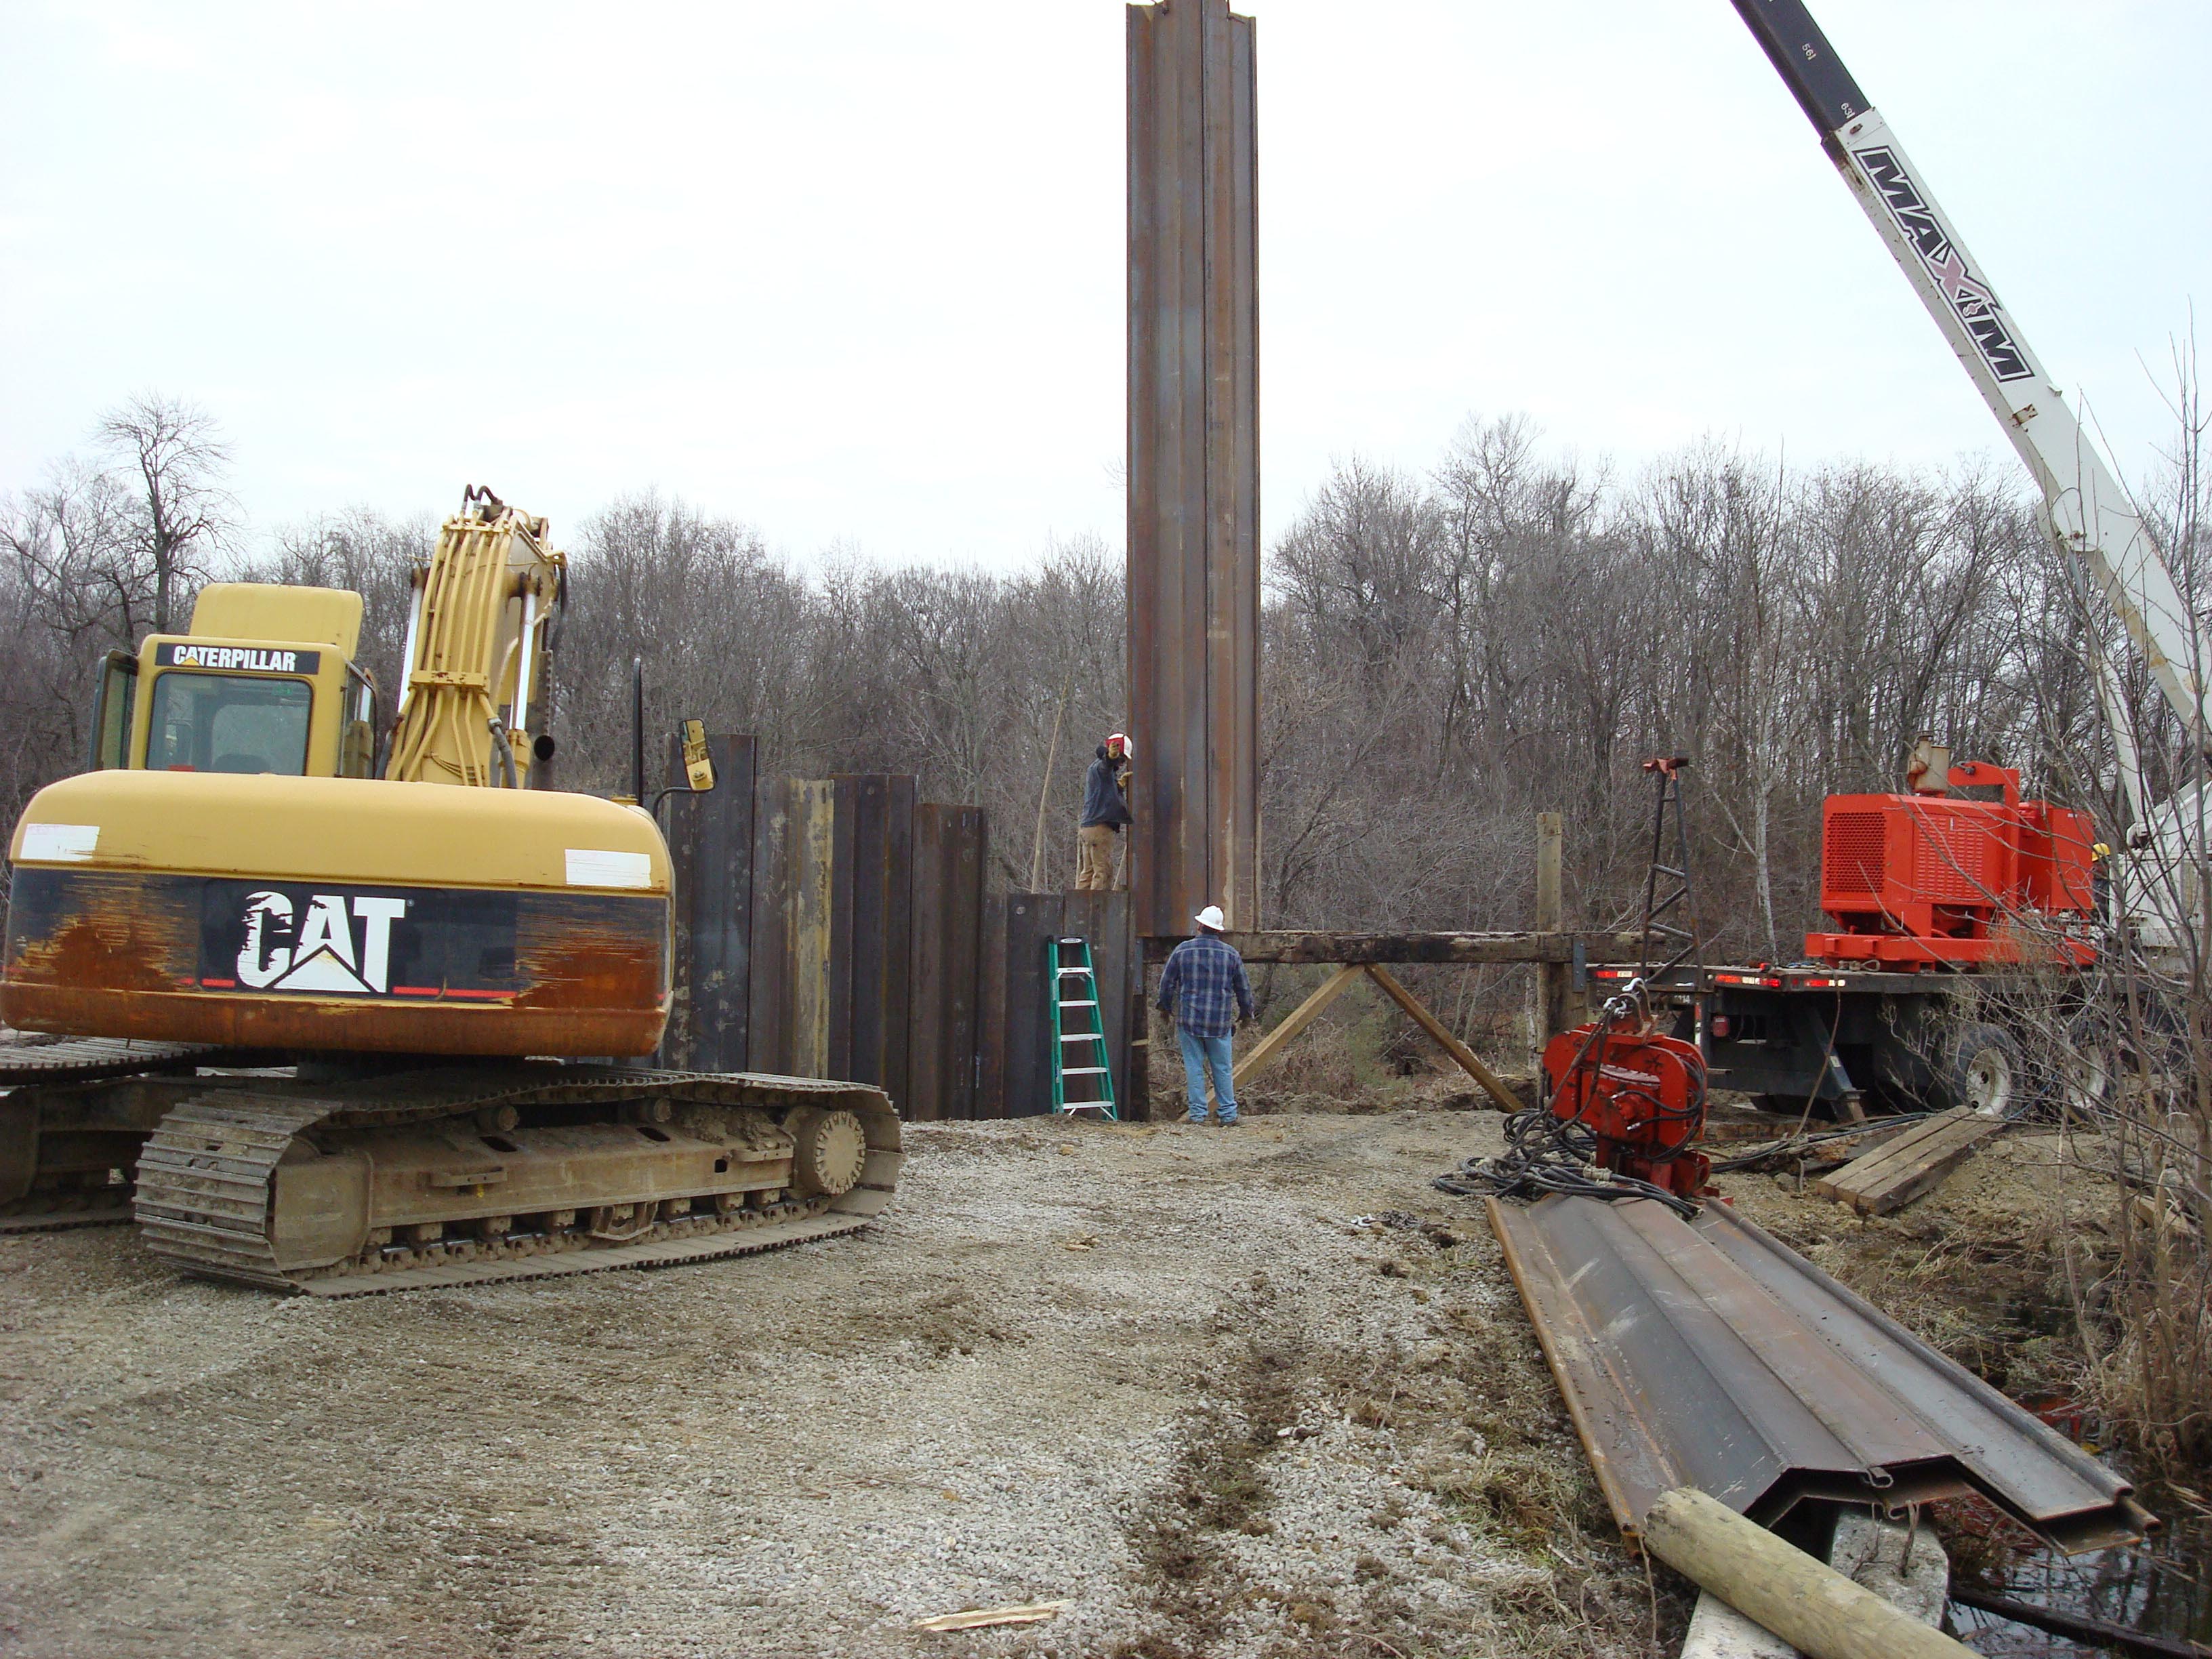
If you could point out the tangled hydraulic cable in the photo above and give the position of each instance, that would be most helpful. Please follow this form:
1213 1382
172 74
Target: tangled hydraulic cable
1547 1152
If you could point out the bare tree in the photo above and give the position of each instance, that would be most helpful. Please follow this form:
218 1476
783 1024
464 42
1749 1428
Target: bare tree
178 457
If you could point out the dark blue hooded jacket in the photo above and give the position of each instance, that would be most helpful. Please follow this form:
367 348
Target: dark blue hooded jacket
1102 798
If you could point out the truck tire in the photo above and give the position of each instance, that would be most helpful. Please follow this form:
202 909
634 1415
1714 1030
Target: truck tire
2087 1067
1985 1074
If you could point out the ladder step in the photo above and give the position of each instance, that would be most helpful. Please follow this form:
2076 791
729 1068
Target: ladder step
1083 1071
1075 972
1092 1003
1083 1037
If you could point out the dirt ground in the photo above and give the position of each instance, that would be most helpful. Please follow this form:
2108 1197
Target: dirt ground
1260 1391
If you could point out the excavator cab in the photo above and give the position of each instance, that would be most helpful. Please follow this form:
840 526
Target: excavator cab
264 684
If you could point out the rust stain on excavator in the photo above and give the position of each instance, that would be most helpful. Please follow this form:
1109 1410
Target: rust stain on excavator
125 938
608 971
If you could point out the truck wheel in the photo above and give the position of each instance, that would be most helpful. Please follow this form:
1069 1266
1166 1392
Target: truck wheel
1985 1070
2087 1066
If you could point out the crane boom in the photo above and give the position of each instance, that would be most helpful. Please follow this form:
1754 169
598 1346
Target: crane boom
2090 515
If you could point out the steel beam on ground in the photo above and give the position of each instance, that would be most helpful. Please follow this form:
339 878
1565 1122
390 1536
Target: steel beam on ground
1194 466
1704 1352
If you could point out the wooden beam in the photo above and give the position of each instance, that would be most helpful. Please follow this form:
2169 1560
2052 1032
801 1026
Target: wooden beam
1265 1050
1808 1603
1306 946
1450 1044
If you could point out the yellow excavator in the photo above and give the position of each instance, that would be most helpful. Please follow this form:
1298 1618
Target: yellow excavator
335 1022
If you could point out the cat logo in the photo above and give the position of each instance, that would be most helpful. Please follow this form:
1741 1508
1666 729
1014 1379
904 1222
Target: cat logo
320 951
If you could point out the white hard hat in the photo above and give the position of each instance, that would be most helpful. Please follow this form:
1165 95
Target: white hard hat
1123 737
1211 917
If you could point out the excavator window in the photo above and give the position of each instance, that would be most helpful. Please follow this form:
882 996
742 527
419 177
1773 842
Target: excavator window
229 723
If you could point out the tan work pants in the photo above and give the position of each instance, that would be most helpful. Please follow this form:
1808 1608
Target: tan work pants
1095 848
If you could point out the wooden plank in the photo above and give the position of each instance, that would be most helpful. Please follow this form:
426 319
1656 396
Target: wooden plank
1871 1165
1469 1062
1264 1051
808 905
1893 1176
1293 946
1940 1155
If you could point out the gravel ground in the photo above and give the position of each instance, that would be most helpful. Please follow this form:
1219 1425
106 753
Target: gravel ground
1184 1378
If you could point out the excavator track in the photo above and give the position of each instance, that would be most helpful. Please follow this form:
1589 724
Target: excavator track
211 1196
63 1143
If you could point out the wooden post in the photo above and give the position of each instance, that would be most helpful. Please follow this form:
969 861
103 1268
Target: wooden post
1551 977
1808 1603
1451 1045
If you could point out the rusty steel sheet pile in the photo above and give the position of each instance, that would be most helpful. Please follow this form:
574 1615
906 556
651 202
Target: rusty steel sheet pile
1707 1353
1193 458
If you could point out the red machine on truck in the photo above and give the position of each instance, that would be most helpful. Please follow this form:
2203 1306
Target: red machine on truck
1921 880
1930 894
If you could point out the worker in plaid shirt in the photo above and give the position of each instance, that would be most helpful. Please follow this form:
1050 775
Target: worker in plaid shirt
1204 991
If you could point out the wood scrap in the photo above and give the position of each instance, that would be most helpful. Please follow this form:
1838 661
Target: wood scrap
1915 1162
1027 1613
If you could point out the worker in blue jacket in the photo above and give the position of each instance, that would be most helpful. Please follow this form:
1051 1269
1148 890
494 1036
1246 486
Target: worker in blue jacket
1105 810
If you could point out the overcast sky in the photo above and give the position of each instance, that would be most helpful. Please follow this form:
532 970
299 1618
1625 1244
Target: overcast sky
854 272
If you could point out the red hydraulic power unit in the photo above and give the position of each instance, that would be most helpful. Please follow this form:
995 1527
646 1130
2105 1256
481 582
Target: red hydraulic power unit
1923 880
1640 1096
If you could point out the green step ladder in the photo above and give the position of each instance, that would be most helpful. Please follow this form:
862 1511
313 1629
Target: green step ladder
1079 1035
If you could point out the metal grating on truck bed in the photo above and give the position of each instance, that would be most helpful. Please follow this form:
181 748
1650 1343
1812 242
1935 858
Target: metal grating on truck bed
1707 1353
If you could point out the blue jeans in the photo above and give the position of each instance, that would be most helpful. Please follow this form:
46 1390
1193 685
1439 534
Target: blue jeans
1199 1055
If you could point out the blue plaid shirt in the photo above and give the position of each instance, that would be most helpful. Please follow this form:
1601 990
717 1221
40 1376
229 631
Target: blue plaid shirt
1204 987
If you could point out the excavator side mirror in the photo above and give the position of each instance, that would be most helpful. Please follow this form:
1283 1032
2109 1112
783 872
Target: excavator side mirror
698 764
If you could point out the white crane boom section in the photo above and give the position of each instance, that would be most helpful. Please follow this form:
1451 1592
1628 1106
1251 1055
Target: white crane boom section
2090 516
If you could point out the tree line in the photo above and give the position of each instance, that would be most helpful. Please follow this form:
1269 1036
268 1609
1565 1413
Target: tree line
1446 652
